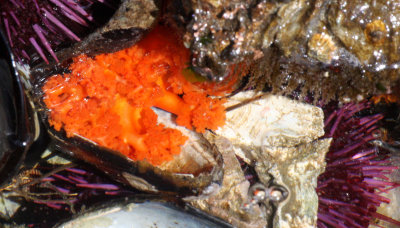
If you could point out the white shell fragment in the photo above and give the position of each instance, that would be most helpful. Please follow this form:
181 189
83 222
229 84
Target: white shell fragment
226 201
8 207
297 168
272 121
196 154
280 138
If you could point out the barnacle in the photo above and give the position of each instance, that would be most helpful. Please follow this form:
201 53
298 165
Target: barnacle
322 47
376 32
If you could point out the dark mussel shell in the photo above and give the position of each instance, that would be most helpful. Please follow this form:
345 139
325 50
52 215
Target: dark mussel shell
17 126
139 174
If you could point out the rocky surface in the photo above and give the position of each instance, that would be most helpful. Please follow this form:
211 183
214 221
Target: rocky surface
333 49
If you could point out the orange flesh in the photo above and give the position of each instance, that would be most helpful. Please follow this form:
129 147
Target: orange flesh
108 99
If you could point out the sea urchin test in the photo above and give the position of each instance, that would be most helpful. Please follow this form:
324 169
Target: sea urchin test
108 99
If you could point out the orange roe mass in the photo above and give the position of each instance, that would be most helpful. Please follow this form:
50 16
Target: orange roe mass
108 98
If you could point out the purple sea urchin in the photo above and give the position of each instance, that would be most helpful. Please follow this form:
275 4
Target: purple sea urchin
41 25
356 173
66 187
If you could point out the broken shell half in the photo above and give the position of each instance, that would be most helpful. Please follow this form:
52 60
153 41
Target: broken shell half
279 137
196 167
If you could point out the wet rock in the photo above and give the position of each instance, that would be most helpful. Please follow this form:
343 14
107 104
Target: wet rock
223 33
336 50
286 26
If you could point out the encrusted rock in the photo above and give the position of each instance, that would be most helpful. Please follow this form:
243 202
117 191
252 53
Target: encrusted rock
222 33
338 49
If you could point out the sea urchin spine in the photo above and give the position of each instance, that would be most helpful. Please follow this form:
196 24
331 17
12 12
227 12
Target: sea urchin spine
356 173
65 187
39 25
